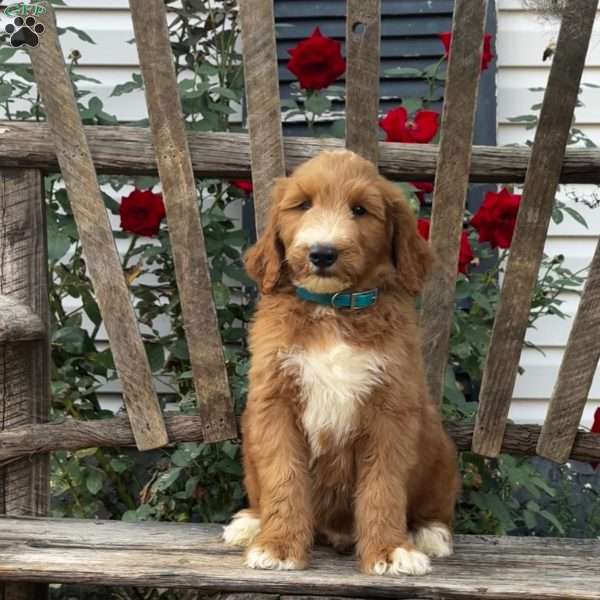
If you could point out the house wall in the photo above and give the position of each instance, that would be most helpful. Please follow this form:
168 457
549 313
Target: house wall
521 39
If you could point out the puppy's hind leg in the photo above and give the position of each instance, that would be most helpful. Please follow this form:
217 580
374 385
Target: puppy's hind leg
243 529
433 539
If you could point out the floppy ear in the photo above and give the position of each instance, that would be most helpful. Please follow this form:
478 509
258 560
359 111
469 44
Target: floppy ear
411 254
264 260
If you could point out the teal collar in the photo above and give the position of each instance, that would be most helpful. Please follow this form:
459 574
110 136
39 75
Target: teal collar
353 300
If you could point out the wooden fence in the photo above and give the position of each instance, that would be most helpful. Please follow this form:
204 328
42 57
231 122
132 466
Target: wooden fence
29 150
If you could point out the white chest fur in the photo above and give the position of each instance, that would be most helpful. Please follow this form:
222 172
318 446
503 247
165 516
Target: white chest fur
333 382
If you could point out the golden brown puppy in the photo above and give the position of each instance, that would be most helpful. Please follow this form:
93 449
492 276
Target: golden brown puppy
340 438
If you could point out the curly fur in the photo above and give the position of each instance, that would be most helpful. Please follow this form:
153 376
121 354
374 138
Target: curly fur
340 438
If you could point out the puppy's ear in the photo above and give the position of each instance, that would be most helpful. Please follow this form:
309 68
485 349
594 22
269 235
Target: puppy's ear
264 260
411 254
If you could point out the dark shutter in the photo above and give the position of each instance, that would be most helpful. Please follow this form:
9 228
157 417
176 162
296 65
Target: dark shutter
409 39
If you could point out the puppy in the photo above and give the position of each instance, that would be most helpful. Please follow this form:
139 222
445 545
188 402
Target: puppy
340 439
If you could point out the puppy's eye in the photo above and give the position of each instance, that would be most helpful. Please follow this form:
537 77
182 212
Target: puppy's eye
306 205
358 210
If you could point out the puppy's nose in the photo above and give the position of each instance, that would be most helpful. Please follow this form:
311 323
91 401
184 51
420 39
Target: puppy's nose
322 256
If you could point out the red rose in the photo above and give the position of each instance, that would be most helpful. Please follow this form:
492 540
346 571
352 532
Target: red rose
419 130
317 61
422 188
423 226
496 218
243 184
486 57
465 253
141 212
596 428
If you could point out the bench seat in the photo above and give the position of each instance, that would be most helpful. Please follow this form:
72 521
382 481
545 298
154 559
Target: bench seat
176 555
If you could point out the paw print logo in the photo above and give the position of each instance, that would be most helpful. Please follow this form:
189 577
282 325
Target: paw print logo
24 32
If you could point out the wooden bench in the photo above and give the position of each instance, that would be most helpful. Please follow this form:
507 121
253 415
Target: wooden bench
175 555
36 551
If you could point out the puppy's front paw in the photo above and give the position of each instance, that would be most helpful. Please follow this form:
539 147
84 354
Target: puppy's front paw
264 557
401 561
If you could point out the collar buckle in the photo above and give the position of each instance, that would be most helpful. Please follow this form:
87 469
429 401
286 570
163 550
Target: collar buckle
333 299
354 299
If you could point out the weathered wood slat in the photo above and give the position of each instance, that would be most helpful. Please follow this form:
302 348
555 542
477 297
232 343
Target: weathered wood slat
24 366
183 215
261 80
363 23
129 150
576 372
66 132
512 315
116 432
171 555
451 184
18 322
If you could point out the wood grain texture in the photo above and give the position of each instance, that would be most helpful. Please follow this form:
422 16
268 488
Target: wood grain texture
104 266
24 366
116 432
451 185
129 150
512 315
18 322
190 555
183 215
363 24
576 372
261 81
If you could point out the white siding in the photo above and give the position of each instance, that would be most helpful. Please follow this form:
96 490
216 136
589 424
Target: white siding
111 59
521 40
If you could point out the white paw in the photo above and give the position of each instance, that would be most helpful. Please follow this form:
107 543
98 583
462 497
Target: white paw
261 558
409 562
379 568
243 530
433 540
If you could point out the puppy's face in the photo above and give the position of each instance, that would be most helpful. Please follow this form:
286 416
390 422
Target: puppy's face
333 225
336 225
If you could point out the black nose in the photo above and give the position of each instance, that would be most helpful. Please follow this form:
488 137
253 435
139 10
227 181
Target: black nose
322 256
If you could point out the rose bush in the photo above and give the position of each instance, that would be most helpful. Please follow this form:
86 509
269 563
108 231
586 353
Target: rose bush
420 129
465 254
317 61
421 189
486 56
142 212
243 184
596 428
496 218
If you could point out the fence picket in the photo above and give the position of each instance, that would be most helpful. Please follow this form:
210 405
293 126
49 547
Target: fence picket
97 239
451 184
576 373
512 315
24 366
262 94
363 24
183 215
